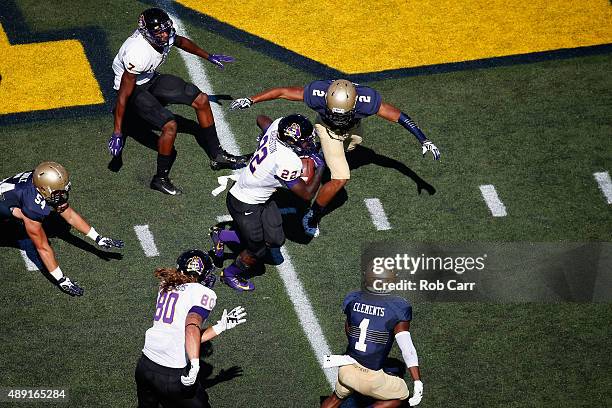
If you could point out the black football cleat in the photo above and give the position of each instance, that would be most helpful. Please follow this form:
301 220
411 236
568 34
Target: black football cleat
164 185
225 160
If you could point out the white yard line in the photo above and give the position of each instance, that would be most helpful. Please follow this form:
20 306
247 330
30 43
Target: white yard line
498 209
303 308
28 263
146 240
197 74
377 212
605 184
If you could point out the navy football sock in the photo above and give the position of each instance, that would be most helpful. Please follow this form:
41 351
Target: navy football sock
317 212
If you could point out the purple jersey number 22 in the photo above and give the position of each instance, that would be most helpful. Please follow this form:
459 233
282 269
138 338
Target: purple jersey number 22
165 306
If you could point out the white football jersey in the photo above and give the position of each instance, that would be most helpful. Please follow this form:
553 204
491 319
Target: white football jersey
165 341
271 165
138 56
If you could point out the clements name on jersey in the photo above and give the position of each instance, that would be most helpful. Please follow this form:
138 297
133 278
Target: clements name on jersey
368 309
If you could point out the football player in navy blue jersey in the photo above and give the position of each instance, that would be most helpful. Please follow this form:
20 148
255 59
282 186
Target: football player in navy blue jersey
374 319
340 107
30 197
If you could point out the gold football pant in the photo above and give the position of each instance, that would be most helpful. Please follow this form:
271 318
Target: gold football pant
334 147
376 384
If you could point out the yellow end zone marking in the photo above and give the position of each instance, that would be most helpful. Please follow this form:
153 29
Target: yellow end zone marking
356 36
46 75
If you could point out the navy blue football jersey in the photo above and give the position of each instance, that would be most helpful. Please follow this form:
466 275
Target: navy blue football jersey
368 100
371 320
19 191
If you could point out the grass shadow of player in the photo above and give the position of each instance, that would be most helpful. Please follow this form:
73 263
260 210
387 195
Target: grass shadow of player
206 369
392 366
147 135
362 156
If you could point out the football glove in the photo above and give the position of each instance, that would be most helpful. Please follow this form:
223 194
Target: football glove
69 287
230 320
108 243
219 59
192 375
241 103
318 159
429 146
115 144
417 394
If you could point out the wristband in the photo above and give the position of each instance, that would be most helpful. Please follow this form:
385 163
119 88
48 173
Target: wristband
92 234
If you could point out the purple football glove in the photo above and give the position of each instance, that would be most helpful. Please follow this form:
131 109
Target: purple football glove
115 144
219 59
318 159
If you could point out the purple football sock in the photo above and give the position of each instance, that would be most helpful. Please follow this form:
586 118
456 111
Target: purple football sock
231 271
229 236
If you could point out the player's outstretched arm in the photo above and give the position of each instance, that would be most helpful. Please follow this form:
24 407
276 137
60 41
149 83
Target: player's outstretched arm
294 93
126 88
393 114
228 321
186 44
74 219
409 354
37 234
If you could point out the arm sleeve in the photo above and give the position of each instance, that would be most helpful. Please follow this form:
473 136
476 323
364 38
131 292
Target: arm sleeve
404 341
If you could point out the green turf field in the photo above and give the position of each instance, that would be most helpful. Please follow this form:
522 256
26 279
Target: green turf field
535 129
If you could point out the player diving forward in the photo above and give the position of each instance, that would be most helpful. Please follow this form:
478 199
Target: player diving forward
276 163
30 197
374 319
184 302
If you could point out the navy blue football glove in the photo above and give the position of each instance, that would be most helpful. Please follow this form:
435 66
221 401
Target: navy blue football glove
69 287
109 243
429 146
115 144
219 59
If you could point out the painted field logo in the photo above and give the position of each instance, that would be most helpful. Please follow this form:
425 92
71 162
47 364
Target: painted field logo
45 75
354 36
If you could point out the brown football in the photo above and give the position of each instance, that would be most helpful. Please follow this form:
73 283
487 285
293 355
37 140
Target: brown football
308 168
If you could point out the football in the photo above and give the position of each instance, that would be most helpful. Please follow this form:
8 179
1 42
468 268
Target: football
308 168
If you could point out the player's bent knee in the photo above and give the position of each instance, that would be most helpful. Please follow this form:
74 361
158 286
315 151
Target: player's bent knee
170 127
200 101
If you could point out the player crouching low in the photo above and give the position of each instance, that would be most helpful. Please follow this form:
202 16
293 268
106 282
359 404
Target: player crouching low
276 163
184 302
373 320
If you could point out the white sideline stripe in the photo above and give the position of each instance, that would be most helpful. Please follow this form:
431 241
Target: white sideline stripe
294 287
224 218
146 240
197 74
307 317
605 184
28 263
498 209
377 212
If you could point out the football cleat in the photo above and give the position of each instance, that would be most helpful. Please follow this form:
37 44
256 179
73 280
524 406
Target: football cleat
225 160
309 228
217 245
164 185
237 282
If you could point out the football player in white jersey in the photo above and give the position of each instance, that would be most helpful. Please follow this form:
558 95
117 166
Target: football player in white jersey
145 92
276 163
184 302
